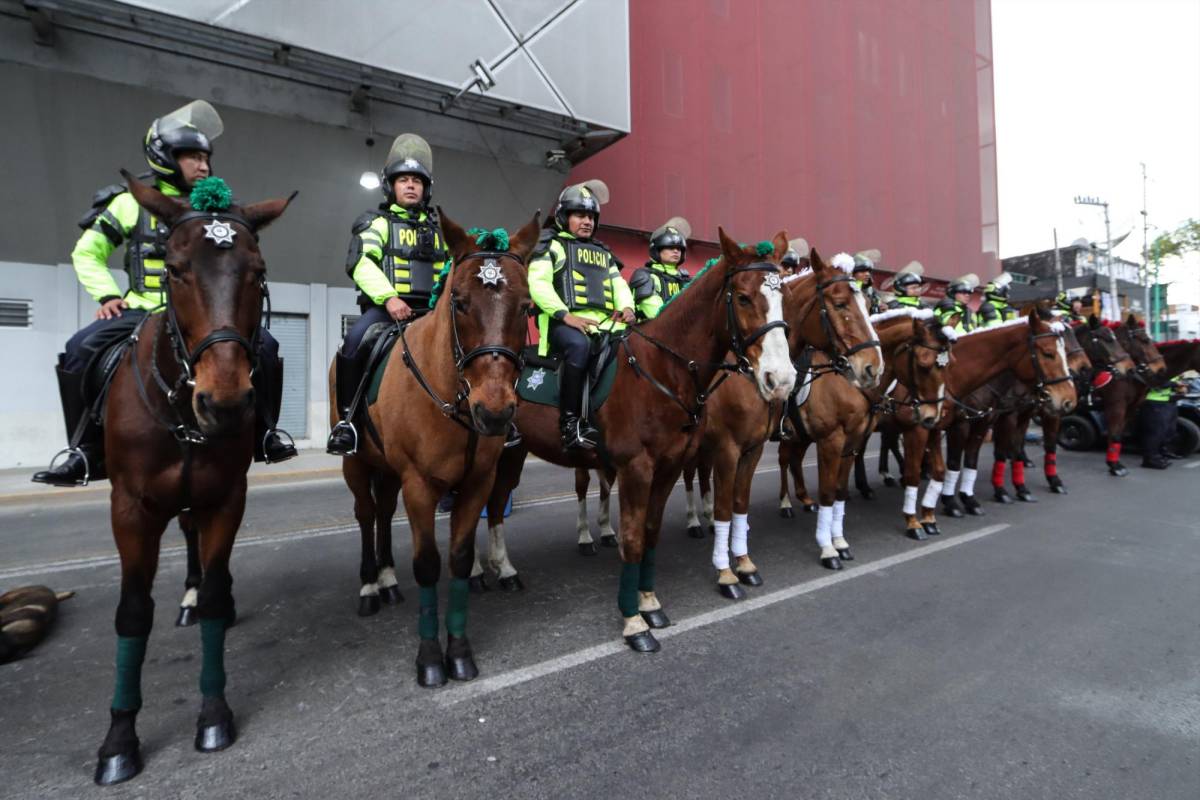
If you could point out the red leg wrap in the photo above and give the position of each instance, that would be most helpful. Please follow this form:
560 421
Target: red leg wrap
1114 452
1051 464
998 473
1018 472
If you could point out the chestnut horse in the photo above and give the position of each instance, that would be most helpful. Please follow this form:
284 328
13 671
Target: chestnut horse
1180 355
179 429
1122 396
841 418
652 420
446 399
825 310
1032 348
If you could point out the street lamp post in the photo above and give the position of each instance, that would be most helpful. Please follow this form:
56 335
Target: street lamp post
1082 200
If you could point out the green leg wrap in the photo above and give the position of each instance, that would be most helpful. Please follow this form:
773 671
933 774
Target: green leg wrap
212 664
627 594
646 581
131 652
456 613
427 621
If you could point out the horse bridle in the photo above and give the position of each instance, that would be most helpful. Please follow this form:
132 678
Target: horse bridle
943 360
841 351
1141 368
1106 360
452 409
1041 388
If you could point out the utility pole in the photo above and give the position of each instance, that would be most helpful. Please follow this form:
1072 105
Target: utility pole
1058 281
1147 296
1112 268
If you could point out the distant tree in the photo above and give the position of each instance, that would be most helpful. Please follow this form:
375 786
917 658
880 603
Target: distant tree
1184 239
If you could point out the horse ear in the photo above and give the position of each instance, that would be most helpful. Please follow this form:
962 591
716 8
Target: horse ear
1132 321
729 248
815 261
262 214
526 239
167 209
781 244
457 239
1093 321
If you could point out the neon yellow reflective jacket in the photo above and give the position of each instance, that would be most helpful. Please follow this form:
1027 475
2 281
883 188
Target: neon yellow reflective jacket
110 227
548 274
376 258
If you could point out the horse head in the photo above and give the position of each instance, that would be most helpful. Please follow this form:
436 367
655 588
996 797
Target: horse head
1102 347
215 288
485 307
929 356
753 299
1149 365
1047 370
1077 358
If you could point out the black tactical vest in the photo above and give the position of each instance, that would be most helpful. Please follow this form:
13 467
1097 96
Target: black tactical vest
583 278
409 256
667 285
145 252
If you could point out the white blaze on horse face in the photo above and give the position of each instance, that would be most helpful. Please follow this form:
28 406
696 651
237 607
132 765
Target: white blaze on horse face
860 378
775 359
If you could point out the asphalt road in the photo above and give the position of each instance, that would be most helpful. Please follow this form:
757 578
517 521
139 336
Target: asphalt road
1041 651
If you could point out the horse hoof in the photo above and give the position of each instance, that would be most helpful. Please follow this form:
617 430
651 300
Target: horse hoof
1117 470
512 584
810 508
712 531
731 591
212 738
890 482
368 605
787 513
931 528
391 595
1058 488
750 578
951 508
916 533
833 562
431 676
477 584
656 618
186 618
461 668
1026 496
695 532
118 768
971 504
643 642
845 555
1002 496
588 549
608 541
867 493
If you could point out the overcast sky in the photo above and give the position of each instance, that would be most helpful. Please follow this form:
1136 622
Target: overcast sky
1086 89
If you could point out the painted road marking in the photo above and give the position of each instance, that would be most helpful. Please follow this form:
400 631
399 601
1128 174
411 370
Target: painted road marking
505 680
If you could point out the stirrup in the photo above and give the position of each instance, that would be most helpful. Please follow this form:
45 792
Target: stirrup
581 440
290 443
513 437
342 425
87 467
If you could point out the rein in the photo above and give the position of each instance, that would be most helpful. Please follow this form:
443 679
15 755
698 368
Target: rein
841 351
1142 368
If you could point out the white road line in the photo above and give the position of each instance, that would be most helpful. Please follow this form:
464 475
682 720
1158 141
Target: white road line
1191 465
496 683
169 553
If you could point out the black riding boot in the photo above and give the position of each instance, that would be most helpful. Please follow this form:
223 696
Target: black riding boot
85 451
269 441
343 439
576 433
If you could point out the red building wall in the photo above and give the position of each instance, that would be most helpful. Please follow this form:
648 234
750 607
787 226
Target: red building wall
853 123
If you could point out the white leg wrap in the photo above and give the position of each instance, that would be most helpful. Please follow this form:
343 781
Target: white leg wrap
739 535
368 589
824 526
785 502
721 544
968 481
693 519
931 494
707 499
648 602
477 567
950 485
387 578
581 522
839 518
499 552
190 597
910 499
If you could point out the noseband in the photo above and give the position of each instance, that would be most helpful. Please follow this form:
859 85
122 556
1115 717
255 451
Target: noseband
1043 383
943 360
841 351
740 344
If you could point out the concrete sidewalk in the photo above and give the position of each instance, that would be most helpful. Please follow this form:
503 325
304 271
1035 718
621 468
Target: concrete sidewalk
16 488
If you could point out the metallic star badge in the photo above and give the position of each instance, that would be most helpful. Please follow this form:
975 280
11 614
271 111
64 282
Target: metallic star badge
490 273
220 233
772 281
535 379
943 359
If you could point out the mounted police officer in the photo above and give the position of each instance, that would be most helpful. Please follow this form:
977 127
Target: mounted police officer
178 148
396 257
862 272
576 283
794 259
908 285
995 307
958 296
663 277
1070 306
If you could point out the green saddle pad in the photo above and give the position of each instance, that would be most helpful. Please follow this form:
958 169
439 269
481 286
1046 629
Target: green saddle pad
539 384
377 377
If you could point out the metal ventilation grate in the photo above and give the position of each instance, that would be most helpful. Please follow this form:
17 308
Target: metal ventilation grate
16 313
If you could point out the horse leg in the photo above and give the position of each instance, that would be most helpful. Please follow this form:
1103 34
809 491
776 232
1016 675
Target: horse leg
785 493
937 472
739 534
838 524
1001 439
1020 425
829 460
704 470
1115 407
608 537
358 476
187 606
137 534
635 481
386 489
1050 427
473 492
976 433
797 465
420 501
508 476
861 482
218 527
725 458
956 438
915 440
587 547
889 442
649 607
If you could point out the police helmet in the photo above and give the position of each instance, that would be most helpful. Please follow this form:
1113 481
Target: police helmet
864 261
997 289
673 233
587 196
189 128
409 155
797 250
911 275
964 283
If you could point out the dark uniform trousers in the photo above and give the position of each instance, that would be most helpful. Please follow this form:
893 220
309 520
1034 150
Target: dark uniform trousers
572 345
1157 422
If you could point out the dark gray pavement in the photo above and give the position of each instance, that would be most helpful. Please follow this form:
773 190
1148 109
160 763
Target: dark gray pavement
1057 656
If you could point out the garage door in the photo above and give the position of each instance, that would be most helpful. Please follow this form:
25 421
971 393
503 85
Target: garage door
292 332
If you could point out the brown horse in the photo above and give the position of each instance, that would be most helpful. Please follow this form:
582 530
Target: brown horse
652 421
446 398
1121 397
1180 356
840 418
179 427
1032 349
825 310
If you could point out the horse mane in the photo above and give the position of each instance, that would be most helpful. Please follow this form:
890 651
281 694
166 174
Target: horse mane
1177 343
1057 327
685 299
914 313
